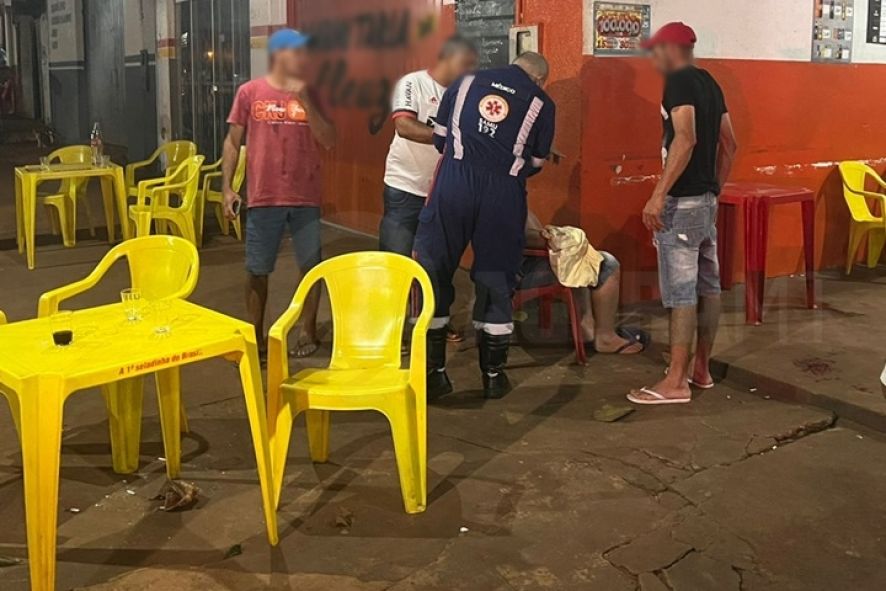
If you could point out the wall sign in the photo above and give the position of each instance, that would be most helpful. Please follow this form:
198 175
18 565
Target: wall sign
876 22
832 31
620 28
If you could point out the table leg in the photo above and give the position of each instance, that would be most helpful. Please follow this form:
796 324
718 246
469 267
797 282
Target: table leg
726 235
809 250
41 430
19 215
124 403
749 214
169 397
109 202
250 376
29 207
122 204
761 237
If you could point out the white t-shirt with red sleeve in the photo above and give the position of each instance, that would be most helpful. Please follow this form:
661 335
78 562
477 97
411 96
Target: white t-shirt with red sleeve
411 166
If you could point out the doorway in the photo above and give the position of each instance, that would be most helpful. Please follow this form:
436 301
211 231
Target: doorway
213 61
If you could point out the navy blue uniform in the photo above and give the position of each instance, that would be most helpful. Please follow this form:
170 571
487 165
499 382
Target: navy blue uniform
495 129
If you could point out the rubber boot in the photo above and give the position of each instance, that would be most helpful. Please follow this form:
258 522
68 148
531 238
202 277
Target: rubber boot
438 382
493 359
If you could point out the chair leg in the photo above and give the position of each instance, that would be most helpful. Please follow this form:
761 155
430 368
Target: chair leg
143 223
15 410
124 402
80 196
41 434
876 242
253 393
409 433
575 324
856 235
317 422
169 399
282 416
238 230
52 215
68 221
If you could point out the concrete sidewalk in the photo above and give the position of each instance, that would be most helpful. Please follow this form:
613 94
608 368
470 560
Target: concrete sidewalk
733 492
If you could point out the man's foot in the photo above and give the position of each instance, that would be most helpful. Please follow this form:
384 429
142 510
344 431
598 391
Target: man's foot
701 375
304 349
664 392
438 384
615 344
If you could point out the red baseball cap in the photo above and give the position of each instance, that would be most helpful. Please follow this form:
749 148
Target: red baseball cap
677 33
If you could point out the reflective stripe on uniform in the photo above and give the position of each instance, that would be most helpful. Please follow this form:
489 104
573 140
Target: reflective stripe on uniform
457 145
523 136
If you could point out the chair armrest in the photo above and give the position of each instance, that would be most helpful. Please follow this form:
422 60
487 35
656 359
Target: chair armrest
870 194
207 180
278 359
51 300
212 167
147 188
132 167
418 359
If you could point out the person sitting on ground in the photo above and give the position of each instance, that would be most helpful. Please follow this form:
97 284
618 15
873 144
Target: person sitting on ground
599 304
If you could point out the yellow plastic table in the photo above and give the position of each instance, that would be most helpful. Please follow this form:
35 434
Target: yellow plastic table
28 177
37 377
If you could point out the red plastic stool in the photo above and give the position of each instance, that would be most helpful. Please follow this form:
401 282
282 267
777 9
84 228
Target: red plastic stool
546 296
754 201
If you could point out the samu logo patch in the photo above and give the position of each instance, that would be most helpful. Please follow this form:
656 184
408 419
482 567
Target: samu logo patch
494 108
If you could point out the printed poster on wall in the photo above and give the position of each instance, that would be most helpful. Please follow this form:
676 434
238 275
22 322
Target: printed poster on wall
876 22
620 29
832 31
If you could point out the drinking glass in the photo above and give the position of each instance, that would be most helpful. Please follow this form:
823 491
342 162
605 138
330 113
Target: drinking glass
162 310
106 161
132 304
62 326
44 162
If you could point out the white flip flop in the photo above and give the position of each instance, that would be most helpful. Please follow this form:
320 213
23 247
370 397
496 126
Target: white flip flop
694 383
659 399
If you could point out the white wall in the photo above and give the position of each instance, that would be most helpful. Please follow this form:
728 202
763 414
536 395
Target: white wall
750 29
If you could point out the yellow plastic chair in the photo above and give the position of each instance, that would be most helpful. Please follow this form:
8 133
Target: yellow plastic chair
172 154
153 201
864 222
216 197
161 267
368 293
62 206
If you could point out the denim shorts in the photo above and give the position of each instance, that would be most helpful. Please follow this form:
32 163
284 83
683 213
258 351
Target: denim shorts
687 250
264 232
400 222
537 272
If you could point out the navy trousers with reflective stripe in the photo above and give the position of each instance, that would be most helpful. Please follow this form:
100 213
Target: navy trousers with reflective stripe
488 211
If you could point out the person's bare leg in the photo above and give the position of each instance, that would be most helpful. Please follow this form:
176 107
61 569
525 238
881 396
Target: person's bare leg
708 324
582 296
256 301
676 383
605 310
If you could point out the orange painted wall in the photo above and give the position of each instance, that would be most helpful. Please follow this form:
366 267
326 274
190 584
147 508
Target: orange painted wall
792 119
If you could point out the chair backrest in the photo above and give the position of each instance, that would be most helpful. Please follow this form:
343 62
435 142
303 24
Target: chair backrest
176 152
369 293
72 155
160 266
855 175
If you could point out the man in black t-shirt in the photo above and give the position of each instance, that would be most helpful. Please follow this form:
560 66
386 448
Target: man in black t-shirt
698 150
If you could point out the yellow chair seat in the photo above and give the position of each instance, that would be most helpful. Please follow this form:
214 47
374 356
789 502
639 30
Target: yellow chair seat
353 383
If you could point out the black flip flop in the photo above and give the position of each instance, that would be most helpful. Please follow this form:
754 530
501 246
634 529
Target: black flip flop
634 335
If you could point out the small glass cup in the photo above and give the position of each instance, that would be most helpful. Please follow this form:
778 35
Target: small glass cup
132 303
162 310
106 161
62 326
44 162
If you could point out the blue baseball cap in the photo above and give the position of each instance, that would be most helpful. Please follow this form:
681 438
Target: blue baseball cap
284 39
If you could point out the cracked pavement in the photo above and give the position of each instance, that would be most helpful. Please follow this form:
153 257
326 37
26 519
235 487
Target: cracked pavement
732 492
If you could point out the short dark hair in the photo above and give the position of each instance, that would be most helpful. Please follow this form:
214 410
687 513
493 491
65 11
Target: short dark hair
457 44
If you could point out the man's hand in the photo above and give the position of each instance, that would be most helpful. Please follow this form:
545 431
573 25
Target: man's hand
232 204
652 213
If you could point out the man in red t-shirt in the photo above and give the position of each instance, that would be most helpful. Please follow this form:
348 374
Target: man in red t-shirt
284 127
